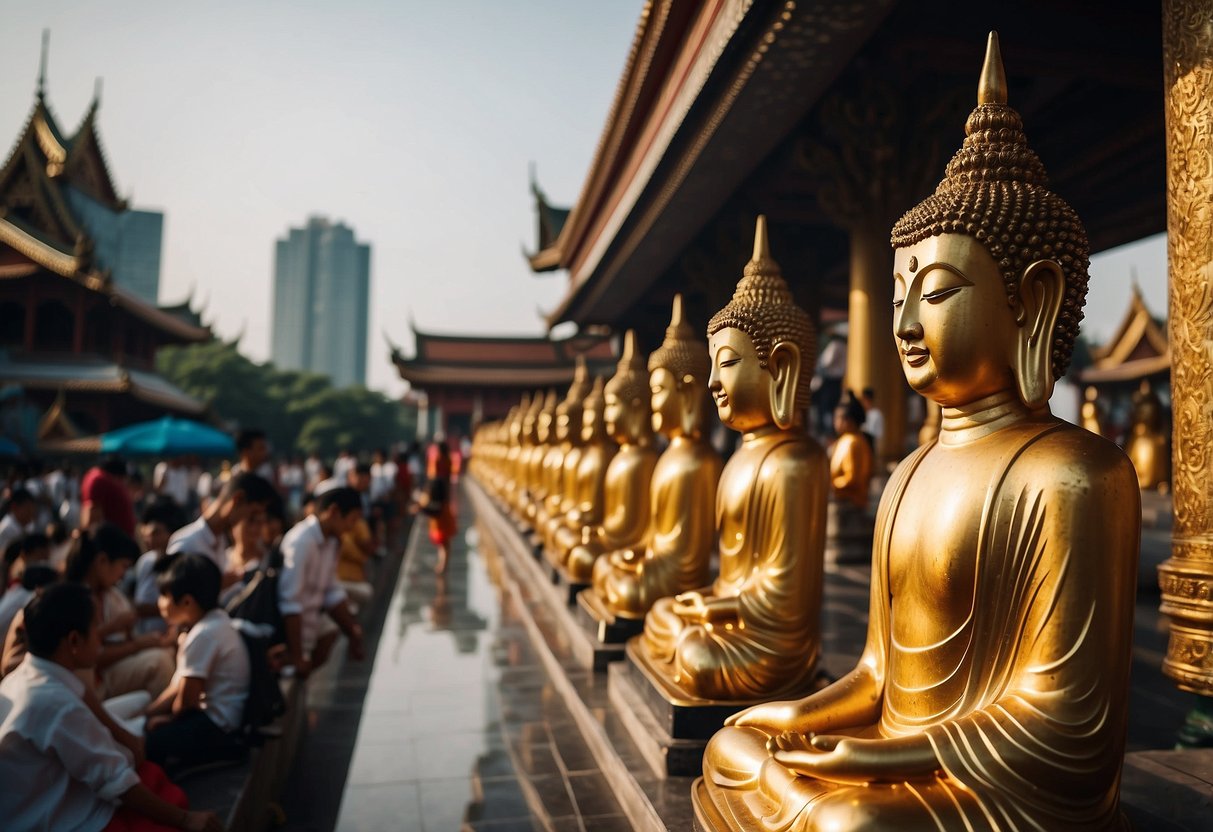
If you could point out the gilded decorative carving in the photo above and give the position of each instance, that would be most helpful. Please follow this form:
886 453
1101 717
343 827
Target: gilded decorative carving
1188 75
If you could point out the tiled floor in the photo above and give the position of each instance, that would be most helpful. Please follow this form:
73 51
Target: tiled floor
461 728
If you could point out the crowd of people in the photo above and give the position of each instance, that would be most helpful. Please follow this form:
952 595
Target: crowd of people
146 621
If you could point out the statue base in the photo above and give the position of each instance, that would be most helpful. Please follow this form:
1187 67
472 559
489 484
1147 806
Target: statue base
849 531
607 627
707 816
666 756
569 589
678 717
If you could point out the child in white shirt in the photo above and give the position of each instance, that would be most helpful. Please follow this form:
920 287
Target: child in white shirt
197 719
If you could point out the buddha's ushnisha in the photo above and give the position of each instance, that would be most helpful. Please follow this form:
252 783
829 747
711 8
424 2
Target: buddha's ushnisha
992 692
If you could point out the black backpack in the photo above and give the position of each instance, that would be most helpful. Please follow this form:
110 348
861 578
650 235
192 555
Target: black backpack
265 702
255 613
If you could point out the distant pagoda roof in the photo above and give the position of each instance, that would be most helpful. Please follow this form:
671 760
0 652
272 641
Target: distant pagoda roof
497 360
38 223
1139 348
550 222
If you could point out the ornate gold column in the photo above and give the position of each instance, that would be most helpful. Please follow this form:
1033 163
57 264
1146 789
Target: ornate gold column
1187 578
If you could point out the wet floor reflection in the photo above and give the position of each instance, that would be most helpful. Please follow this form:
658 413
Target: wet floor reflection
461 728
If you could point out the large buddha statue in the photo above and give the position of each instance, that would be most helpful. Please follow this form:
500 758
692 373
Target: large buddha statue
754 632
625 513
597 451
1147 444
992 692
677 545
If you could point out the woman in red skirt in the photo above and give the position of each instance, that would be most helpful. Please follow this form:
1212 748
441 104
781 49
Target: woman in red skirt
437 502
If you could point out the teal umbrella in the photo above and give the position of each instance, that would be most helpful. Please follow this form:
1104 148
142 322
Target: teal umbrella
168 437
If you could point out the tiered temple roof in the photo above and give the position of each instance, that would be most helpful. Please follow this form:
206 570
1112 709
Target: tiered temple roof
1139 349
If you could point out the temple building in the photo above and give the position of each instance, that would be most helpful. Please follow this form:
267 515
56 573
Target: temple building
831 118
1138 352
77 340
467 379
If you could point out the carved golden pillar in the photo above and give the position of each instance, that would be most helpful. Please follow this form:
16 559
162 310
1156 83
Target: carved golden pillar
871 351
1187 578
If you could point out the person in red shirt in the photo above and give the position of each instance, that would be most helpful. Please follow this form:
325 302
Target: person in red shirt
104 497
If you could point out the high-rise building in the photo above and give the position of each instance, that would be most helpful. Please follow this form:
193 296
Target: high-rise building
322 278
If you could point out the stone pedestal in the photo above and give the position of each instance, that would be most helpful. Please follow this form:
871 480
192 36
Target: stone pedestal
568 588
848 534
607 627
666 755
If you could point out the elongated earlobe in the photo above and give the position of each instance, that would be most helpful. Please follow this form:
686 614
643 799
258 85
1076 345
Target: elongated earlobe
1041 290
784 364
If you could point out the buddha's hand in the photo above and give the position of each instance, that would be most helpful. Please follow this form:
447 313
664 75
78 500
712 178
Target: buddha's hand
852 760
690 606
774 718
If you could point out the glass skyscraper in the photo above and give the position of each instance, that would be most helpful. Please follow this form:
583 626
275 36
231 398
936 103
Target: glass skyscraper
322 279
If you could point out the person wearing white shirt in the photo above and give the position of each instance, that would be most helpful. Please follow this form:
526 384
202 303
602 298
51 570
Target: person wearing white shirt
873 422
307 583
18 521
197 718
63 762
241 495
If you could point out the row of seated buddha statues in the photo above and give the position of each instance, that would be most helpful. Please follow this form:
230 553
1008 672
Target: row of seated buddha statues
991 692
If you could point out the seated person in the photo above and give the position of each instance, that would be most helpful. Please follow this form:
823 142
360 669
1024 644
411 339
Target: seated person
127 663
197 718
157 524
61 766
13 601
240 496
308 586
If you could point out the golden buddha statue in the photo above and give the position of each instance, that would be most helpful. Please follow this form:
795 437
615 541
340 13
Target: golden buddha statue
521 463
754 632
545 436
566 437
851 456
1092 417
1147 444
597 451
992 692
625 514
677 545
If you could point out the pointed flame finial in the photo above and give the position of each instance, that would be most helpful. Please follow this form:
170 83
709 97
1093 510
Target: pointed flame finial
676 316
46 48
762 248
629 348
580 372
992 88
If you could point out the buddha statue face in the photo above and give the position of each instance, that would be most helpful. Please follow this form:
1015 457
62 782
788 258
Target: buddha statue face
665 401
747 395
591 415
563 423
958 337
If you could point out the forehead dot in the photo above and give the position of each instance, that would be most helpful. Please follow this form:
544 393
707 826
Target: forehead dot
913 263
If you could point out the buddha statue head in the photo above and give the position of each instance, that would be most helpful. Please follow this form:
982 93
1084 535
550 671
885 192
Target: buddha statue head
591 414
626 412
990 271
678 375
761 348
546 420
568 412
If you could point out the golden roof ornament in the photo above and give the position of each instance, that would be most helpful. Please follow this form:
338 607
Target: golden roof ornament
762 307
581 381
681 352
995 190
631 379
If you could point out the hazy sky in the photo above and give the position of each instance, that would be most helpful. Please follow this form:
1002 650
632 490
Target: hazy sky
413 122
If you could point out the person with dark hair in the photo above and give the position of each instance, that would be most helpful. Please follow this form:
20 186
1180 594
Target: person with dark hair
196 719
127 663
105 498
33 578
308 586
34 548
253 448
240 496
61 765
851 456
157 524
18 520
436 502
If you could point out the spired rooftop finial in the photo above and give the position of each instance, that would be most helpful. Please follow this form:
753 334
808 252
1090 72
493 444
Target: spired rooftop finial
992 88
46 47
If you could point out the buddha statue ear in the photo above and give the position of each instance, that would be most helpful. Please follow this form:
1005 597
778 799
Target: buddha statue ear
692 399
784 364
1037 307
